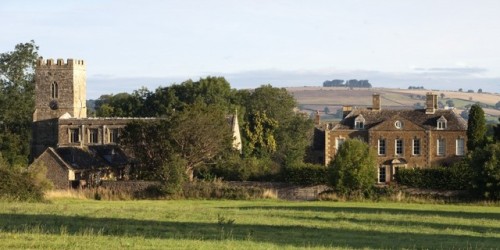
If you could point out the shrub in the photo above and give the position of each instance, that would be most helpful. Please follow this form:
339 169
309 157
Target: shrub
173 176
18 186
456 177
220 190
235 168
306 174
353 168
38 173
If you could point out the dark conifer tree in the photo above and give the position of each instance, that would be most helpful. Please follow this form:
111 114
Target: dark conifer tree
476 127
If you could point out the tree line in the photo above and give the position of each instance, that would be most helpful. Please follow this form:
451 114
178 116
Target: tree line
353 83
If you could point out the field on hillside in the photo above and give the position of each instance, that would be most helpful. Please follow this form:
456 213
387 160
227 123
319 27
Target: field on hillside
268 224
317 98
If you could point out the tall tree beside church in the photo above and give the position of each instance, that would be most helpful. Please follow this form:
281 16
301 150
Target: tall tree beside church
291 132
17 77
191 137
476 127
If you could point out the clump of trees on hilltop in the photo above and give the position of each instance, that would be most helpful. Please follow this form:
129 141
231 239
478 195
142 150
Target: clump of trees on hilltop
353 83
416 87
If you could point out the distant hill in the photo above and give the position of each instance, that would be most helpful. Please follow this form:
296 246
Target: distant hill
330 99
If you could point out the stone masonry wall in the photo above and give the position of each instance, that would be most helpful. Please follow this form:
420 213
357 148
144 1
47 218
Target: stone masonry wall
57 173
71 96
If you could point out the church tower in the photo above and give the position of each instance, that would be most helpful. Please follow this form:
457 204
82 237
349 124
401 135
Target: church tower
60 88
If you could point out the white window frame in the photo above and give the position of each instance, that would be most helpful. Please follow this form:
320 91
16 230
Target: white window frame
441 147
90 134
359 125
396 147
114 139
460 149
441 123
72 137
419 146
359 122
337 140
379 147
379 180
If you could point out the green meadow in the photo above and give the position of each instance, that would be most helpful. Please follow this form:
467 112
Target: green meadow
262 224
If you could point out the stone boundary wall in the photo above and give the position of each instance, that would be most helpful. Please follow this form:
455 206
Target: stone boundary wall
283 191
286 191
128 186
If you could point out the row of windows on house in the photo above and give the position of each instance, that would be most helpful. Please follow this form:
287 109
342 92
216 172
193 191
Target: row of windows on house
111 136
359 123
416 146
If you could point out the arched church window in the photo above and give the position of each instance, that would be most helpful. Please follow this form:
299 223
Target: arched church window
54 90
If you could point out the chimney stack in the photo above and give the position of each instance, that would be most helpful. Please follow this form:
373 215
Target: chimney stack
346 110
431 104
317 118
376 106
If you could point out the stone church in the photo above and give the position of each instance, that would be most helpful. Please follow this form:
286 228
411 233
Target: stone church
76 148
401 138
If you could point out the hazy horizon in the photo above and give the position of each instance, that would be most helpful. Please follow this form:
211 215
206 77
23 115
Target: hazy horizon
127 44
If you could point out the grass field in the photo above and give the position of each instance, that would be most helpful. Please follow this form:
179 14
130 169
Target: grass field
267 224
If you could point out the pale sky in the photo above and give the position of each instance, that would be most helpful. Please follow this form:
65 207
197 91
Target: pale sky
128 44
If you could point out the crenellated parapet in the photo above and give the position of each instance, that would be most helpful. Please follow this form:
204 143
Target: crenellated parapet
50 63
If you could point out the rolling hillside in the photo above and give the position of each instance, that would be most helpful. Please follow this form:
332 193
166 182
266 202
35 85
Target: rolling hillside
333 98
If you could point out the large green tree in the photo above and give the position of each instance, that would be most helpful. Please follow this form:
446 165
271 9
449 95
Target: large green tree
164 101
119 105
17 77
192 137
200 134
353 170
149 143
291 131
259 130
212 91
476 128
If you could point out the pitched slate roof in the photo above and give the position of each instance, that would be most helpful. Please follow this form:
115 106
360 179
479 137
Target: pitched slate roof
79 158
417 116
93 157
113 155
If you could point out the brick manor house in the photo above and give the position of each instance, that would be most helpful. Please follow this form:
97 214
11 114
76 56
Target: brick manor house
76 148
402 138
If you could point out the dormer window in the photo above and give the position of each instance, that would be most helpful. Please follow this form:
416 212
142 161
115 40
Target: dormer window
359 122
441 123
